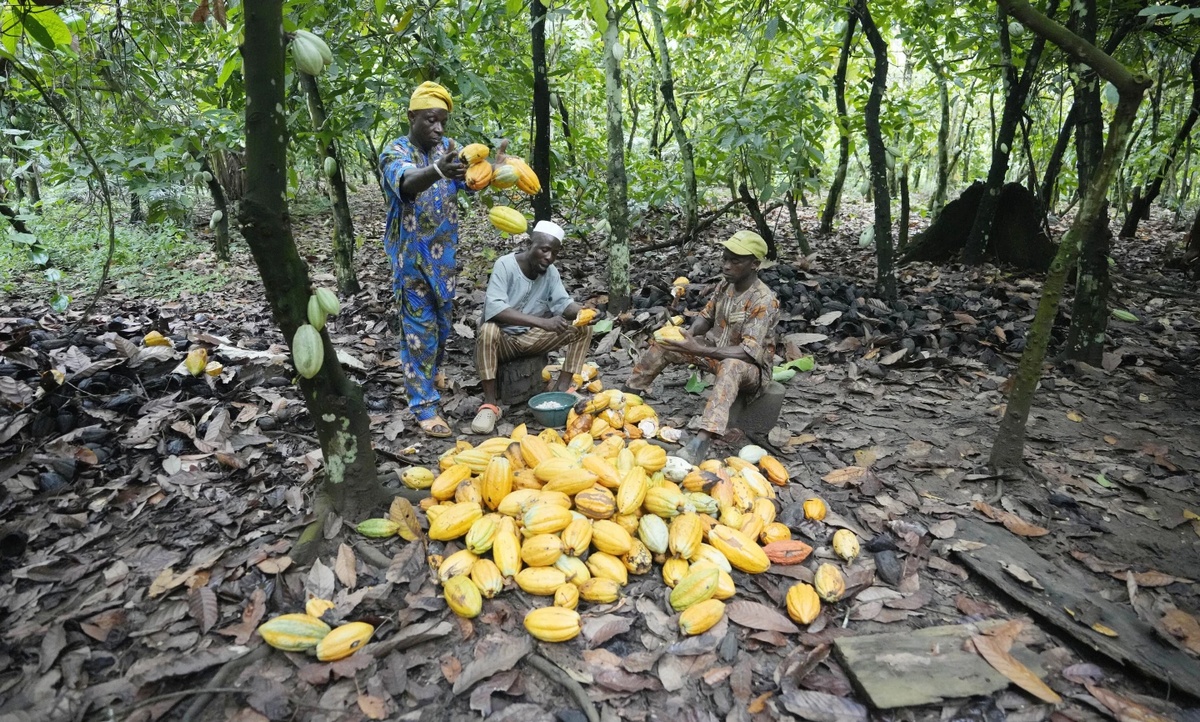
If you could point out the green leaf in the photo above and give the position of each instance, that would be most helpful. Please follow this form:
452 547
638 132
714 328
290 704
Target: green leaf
804 363
47 28
380 7
59 302
599 9
512 7
39 256
233 63
695 384
602 326
782 374
1103 481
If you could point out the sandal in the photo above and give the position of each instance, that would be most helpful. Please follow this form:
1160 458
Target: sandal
435 426
485 420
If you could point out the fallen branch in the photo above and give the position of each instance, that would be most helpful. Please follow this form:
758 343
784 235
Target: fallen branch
704 223
226 674
554 672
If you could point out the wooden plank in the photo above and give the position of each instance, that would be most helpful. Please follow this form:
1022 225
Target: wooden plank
925 666
1136 645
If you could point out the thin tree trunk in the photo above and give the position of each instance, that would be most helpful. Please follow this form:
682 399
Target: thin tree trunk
794 217
1054 165
885 279
1008 450
35 191
566 128
905 208
1014 101
351 486
343 225
217 193
1140 208
938 199
691 204
541 111
1089 312
833 200
618 203
760 220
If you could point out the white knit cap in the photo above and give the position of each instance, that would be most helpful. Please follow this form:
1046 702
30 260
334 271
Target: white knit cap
550 229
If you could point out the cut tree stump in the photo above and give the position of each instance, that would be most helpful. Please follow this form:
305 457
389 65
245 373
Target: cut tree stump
1136 645
1017 238
926 666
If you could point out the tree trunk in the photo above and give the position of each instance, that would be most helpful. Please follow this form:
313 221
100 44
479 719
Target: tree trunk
1008 450
343 226
1014 101
136 213
691 204
618 203
905 208
1089 312
797 230
566 129
351 486
843 125
35 191
1054 165
541 111
885 279
1140 208
938 199
760 220
221 231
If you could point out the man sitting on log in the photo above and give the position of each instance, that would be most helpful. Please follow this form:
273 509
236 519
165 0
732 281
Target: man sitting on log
733 337
527 312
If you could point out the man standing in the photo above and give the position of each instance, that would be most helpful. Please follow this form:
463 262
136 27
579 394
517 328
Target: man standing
733 337
527 312
422 174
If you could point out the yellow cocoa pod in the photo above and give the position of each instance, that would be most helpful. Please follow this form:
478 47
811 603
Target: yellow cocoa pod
668 333
446 483
455 521
316 607
507 219
462 596
377 528
607 566
596 503
610 537
698 585
506 551
758 483
763 509
631 494
504 176
566 596
774 470
685 535
553 624
487 577
417 477
541 550
577 537
573 569
775 531
709 553
703 503
701 617
741 551
293 632
344 641
815 509
803 604
308 351
829 583
469 490
638 559
584 317
196 360
674 570
725 586
482 533
845 544
517 502
628 522
535 450
479 175
541 581
599 590
651 458
474 152
752 526
527 180
497 481
571 481
458 563
545 518
554 498
654 533
665 502
606 474
154 338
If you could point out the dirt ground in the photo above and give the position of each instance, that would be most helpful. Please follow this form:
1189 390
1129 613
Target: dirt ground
147 515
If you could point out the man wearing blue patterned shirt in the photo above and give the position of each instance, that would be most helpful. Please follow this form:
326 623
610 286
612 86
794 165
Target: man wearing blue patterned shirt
423 174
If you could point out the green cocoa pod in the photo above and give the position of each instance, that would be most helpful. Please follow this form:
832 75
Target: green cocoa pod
316 314
308 352
328 300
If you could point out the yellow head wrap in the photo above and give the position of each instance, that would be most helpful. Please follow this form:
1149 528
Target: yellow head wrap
430 95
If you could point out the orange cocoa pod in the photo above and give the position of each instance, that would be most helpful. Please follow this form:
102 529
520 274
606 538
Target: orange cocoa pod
787 552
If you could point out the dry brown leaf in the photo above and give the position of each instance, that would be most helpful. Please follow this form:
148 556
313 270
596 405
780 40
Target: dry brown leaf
993 650
251 614
759 616
202 602
1096 564
372 707
1021 574
759 703
102 624
844 476
402 513
1183 626
1011 521
823 707
276 565
1123 709
451 667
344 567
1151 578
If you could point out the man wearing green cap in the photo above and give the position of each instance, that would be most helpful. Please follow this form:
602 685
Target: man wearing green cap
733 337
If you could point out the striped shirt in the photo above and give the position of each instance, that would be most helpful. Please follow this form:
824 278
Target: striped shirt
745 319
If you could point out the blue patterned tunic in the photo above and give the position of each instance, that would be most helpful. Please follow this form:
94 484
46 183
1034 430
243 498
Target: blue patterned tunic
421 238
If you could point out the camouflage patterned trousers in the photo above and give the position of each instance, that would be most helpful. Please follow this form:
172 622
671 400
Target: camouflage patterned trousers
733 377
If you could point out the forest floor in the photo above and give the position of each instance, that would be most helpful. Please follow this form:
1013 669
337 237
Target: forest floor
147 514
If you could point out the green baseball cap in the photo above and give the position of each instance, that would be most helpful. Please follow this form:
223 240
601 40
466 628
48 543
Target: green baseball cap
747 243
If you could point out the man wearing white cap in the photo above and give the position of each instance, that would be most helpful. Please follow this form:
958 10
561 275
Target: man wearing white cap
527 312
